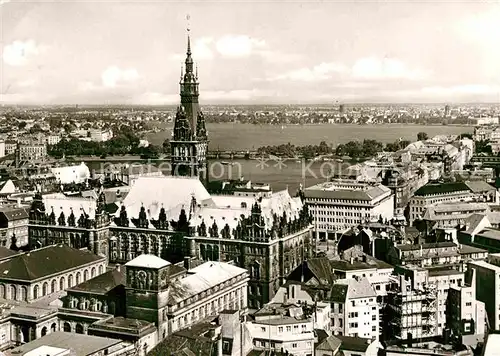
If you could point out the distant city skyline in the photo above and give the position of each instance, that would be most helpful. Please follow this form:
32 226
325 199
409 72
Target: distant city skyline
130 53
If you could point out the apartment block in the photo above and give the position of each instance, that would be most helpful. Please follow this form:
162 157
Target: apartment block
487 284
338 206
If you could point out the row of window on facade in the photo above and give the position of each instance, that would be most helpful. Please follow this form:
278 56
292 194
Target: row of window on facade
210 309
16 292
237 293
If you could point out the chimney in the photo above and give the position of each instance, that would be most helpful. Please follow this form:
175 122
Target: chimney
18 201
187 263
352 260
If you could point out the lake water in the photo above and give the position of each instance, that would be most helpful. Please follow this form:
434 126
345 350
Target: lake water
229 136
292 173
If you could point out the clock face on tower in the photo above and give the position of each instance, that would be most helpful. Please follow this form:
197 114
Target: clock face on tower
141 279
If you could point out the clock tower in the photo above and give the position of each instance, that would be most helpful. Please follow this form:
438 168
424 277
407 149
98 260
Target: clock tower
190 142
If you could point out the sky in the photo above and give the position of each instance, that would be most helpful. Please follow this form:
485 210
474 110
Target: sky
250 52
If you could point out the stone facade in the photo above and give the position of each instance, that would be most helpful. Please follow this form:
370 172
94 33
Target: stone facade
76 231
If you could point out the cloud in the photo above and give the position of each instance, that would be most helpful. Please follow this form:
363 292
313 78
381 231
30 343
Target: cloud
386 68
319 72
276 56
370 68
4 2
19 52
238 46
112 76
483 27
154 98
26 83
201 49
469 89
236 95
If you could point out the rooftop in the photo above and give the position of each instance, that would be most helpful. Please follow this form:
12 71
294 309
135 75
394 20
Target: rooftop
485 265
194 340
6 253
358 288
350 343
124 325
436 272
14 213
103 283
44 262
490 233
80 344
148 261
466 249
426 246
441 188
479 186
58 202
201 278
330 190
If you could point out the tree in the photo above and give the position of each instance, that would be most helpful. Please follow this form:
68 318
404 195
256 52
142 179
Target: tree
422 136
483 146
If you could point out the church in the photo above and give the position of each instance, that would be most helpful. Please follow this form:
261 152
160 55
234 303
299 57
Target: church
177 219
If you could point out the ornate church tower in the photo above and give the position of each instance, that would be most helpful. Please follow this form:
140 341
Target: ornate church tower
190 142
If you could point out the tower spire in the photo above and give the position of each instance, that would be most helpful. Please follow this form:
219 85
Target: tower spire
189 59
188 30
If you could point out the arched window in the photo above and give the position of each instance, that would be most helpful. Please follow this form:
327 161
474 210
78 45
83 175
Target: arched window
79 329
85 275
78 278
70 281
53 327
3 291
100 269
61 283
44 331
35 292
24 293
92 272
45 288
255 271
13 292
53 286
67 327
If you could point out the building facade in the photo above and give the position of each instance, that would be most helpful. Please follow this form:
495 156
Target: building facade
149 299
32 152
435 194
14 222
487 287
337 206
28 276
283 329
